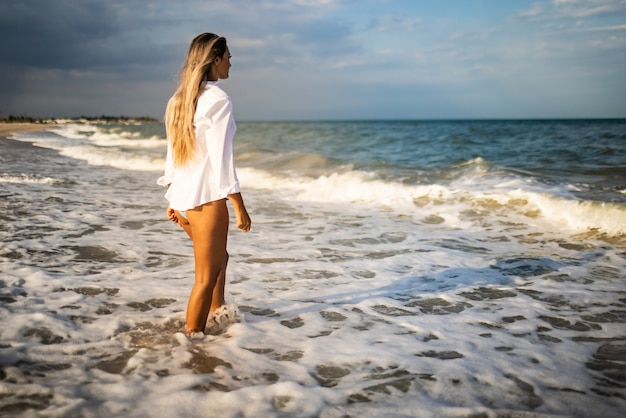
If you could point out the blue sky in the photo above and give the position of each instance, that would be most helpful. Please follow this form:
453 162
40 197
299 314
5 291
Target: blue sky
325 59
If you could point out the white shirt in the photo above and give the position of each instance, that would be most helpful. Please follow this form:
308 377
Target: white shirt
211 175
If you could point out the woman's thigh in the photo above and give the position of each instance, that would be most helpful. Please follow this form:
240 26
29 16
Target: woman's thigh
209 229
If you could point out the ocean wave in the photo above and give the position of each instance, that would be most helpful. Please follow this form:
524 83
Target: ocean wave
27 179
603 217
288 161
474 162
461 202
113 157
109 137
468 192
88 143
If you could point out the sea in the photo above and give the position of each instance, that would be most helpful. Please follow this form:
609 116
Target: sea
407 268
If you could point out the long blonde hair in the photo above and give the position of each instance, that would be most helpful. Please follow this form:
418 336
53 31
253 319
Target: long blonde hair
204 49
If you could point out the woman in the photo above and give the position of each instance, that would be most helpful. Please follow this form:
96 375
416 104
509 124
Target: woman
200 176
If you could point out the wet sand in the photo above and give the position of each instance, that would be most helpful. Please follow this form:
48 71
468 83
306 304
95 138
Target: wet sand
8 129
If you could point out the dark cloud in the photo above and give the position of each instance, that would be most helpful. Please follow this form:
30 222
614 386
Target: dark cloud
97 52
82 34
57 34
79 45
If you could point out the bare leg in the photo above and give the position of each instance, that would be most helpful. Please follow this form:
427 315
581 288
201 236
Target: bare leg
218 292
209 231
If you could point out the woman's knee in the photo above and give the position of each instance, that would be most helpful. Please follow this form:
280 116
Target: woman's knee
205 285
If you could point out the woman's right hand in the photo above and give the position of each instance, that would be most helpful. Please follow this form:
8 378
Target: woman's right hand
171 215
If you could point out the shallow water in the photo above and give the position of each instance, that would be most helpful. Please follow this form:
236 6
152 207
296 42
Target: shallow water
374 283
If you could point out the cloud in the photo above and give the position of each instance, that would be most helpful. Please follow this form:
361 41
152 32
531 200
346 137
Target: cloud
79 35
128 42
587 8
57 56
395 22
34 33
607 28
536 10
571 9
315 59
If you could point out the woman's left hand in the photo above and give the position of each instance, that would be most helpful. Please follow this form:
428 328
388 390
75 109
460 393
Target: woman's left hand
243 219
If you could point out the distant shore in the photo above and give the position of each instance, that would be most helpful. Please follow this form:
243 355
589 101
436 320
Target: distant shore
13 125
8 129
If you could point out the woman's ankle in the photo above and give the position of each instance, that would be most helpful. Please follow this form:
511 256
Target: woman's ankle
193 332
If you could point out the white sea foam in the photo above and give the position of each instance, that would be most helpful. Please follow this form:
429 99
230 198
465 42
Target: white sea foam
112 157
26 179
360 296
498 195
88 143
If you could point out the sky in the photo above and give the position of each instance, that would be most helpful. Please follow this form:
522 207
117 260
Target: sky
324 59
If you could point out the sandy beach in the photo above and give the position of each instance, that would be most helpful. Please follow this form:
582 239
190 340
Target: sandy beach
7 129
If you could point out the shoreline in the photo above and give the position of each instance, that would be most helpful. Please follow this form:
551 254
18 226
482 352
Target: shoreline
458 292
8 129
